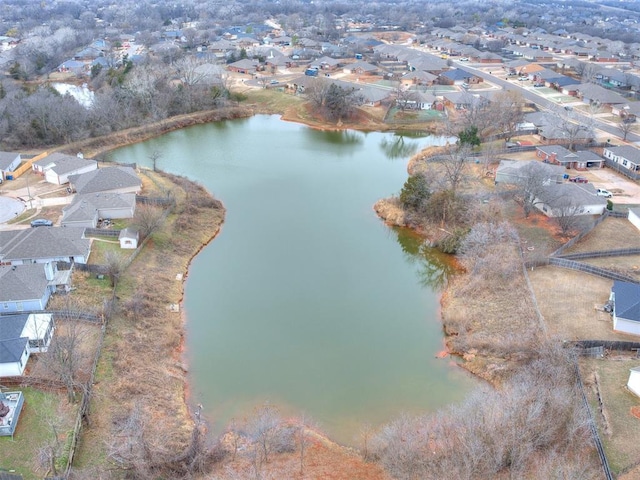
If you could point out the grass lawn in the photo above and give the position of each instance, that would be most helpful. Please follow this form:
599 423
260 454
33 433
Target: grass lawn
40 411
100 248
619 430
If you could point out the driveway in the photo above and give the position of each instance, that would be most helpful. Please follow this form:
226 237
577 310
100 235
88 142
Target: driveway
625 191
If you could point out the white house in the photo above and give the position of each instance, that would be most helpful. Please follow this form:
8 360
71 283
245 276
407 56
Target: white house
634 217
625 297
85 210
571 199
634 381
57 167
626 156
14 354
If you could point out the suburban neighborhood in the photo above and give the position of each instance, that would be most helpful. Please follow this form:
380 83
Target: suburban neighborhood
540 119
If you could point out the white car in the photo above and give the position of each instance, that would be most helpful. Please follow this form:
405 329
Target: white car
601 192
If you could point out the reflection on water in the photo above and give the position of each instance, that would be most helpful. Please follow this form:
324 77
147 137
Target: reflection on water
397 147
337 137
433 267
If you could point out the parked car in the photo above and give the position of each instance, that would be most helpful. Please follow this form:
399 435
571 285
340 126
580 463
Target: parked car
539 84
578 180
524 78
464 59
601 192
41 222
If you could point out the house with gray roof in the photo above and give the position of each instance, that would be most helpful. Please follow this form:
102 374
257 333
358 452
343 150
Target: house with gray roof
590 93
14 355
43 245
109 179
9 161
58 167
38 328
569 199
559 155
625 297
512 172
625 156
25 287
85 210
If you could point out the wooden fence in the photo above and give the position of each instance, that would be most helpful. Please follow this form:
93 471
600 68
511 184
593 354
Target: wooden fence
26 166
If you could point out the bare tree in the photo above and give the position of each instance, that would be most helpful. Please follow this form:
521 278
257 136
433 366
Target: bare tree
147 219
531 187
405 97
65 357
567 214
154 157
455 165
625 125
115 265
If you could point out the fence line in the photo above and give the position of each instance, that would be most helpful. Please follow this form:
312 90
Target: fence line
68 314
620 169
601 253
99 232
581 235
592 426
584 267
608 344
37 382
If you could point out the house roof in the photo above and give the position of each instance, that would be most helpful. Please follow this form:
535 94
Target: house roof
513 168
626 151
85 207
559 150
601 94
22 282
580 193
105 179
456 74
7 158
43 243
11 350
627 300
62 164
12 326
360 65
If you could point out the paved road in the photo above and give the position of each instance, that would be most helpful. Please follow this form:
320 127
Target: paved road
542 102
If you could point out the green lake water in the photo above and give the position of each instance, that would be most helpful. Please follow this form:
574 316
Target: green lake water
306 300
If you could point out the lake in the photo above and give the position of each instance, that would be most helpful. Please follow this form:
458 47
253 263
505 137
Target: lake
306 300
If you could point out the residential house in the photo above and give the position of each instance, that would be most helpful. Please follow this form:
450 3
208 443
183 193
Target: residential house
38 328
418 78
43 245
634 217
9 161
571 199
595 94
458 100
633 384
625 297
25 287
625 156
559 155
72 66
129 238
628 112
58 167
109 179
14 355
458 76
328 63
361 68
85 210
512 172
245 65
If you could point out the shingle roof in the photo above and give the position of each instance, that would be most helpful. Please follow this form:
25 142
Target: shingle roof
105 179
11 350
62 164
22 282
6 159
12 326
42 243
626 151
627 300
84 207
